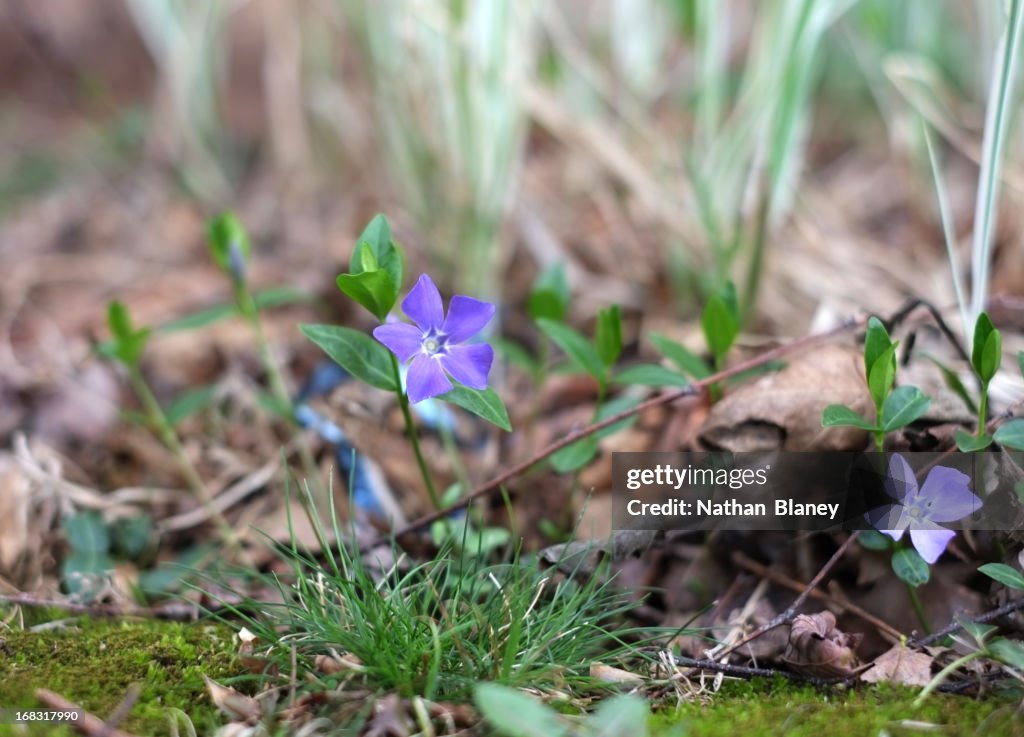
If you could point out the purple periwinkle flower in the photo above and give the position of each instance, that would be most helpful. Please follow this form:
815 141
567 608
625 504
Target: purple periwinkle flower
944 497
435 342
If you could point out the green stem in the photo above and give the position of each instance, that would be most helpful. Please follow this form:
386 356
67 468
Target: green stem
410 426
982 410
158 419
918 608
247 305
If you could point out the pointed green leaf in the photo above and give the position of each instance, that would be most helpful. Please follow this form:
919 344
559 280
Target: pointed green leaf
1004 574
609 335
882 375
356 352
874 540
910 567
189 402
968 443
681 356
549 298
720 325
612 408
575 455
86 532
954 383
372 289
650 374
839 415
905 405
515 354
986 350
375 247
1011 434
576 347
876 342
484 403
1007 651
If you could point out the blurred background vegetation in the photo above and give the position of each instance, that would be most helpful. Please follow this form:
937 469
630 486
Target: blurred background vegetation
657 147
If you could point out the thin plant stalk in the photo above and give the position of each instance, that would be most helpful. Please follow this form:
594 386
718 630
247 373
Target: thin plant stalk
945 673
915 600
158 420
410 426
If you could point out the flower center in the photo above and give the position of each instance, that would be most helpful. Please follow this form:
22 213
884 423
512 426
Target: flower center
433 344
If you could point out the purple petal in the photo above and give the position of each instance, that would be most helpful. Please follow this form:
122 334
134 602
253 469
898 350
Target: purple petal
946 496
888 520
469 364
931 542
901 482
466 318
423 304
401 338
426 379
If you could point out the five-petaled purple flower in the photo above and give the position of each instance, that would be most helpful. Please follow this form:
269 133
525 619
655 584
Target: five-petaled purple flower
433 343
943 498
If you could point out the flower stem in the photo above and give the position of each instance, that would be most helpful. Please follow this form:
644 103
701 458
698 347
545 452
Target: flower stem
247 306
918 608
982 410
943 674
158 420
410 426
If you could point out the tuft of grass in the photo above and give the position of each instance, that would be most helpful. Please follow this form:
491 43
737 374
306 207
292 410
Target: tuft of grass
435 629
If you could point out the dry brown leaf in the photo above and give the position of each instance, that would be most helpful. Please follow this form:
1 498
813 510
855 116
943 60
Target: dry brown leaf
332 664
236 705
783 410
901 666
817 648
14 514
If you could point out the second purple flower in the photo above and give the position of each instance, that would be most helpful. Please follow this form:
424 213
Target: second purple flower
435 344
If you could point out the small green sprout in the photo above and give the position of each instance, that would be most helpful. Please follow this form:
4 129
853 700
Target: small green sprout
894 408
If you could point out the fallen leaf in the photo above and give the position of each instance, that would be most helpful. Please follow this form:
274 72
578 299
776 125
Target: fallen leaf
783 410
337 664
817 648
234 704
389 719
901 666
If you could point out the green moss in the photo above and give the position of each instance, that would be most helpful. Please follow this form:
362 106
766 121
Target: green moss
772 708
94 663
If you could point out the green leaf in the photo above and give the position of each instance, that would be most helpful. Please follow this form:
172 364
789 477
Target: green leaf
1004 574
720 321
514 714
1011 434
576 347
223 231
882 376
132 535
910 567
189 402
650 374
375 247
128 343
978 630
953 382
169 576
86 532
374 290
356 352
905 405
609 335
575 455
968 443
876 342
483 403
839 415
80 565
612 408
280 296
874 540
986 354
681 356
620 715
549 298
1007 651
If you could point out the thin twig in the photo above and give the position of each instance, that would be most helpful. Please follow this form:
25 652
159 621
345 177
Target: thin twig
748 672
693 389
783 580
955 625
786 616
